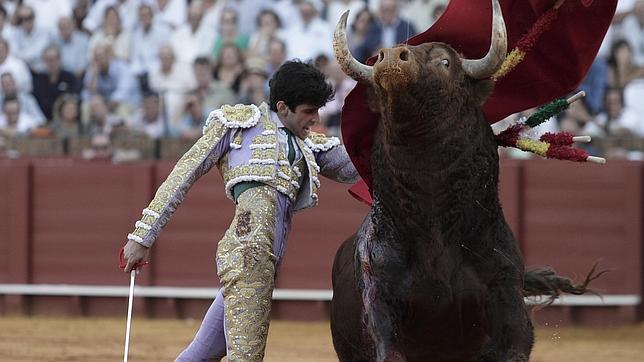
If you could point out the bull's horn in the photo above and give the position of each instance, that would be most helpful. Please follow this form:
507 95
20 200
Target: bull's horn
485 67
350 66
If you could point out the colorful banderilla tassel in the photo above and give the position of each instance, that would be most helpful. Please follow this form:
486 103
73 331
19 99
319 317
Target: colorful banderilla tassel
550 145
552 109
553 150
527 41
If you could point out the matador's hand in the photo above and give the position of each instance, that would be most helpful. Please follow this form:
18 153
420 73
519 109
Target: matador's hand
134 253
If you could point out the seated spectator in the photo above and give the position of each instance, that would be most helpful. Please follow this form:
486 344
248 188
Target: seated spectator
73 45
229 67
112 79
617 119
79 13
66 123
288 12
126 9
621 66
15 66
7 30
171 79
388 30
29 40
193 118
576 117
13 121
357 34
269 27
146 40
190 40
100 148
48 12
594 84
210 11
631 30
100 119
112 33
213 93
423 13
276 55
229 32
171 13
28 103
311 35
335 9
247 11
53 82
150 120
254 84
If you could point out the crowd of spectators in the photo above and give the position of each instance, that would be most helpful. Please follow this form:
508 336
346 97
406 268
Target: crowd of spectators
103 69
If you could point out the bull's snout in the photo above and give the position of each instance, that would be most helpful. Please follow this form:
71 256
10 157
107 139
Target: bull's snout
391 56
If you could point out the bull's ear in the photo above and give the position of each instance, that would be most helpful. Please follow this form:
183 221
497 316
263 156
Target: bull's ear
480 90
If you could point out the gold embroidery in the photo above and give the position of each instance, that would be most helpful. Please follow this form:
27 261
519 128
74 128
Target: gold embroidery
318 138
181 174
239 113
246 267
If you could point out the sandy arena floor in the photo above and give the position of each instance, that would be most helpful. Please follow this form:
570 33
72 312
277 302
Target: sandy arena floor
97 340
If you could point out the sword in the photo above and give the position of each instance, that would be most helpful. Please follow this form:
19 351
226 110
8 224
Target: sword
128 326
129 315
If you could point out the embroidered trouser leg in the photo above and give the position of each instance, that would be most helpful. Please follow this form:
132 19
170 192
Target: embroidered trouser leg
246 268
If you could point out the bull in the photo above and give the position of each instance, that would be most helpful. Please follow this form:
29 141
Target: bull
434 273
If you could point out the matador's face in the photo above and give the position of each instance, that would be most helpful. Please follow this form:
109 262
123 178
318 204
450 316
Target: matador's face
300 120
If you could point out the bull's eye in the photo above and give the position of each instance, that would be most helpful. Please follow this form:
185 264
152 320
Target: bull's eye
445 62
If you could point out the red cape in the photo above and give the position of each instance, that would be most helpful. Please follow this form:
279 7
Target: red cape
553 68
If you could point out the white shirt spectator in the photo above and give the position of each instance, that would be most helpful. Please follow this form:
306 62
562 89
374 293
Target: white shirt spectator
19 70
210 15
421 12
73 45
288 12
173 14
633 31
154 129
309 39
633 95
144 47
30 46
22 127
179 79
337 7
188 45
171 79
120 44
247 11
48 12
128 9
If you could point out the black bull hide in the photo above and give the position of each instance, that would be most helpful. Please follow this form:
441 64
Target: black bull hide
434 272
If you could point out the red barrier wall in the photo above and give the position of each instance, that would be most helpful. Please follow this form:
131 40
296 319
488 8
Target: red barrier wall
62 221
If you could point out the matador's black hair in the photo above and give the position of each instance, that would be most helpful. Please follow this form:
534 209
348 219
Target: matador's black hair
298 83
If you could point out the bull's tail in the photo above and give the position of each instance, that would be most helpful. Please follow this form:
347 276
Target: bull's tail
543 282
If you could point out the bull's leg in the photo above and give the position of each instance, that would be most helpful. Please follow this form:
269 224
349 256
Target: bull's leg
381 329
514 335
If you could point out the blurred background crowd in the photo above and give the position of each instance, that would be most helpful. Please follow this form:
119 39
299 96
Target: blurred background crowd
135 79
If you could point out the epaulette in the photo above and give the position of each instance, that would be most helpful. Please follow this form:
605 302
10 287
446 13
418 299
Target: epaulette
237 116
320 142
